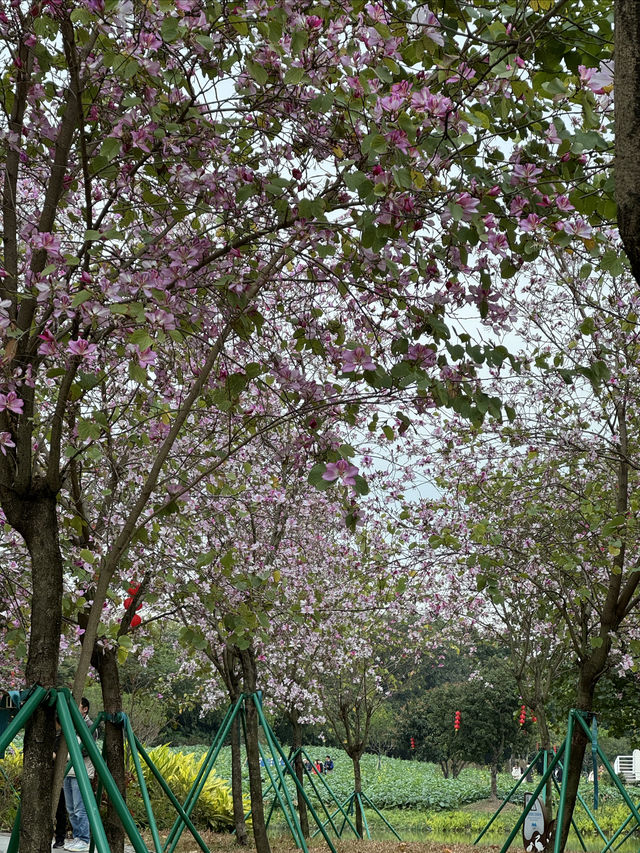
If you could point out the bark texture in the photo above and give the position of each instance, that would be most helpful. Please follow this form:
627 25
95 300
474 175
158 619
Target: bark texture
35 518
627 127
247 660
105 661
299 770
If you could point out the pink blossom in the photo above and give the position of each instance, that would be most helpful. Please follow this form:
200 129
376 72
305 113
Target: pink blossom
82 348
11 403
468 204
531 223
146 357
563 203
599 80
50 345
357 357
525 172
424 17
6 441
423 355
343 470
578 226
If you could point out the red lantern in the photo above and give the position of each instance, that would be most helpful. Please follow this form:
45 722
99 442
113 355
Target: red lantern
128 602
413 743
135 621
456 721
523 714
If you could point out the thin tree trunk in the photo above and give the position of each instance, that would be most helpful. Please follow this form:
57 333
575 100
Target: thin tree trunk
106 663
38 525
247 660
242 837
357 787
299 770
494 781
627 127
573 768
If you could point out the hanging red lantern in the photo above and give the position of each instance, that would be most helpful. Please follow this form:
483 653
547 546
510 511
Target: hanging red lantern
136 620
413 743
456 721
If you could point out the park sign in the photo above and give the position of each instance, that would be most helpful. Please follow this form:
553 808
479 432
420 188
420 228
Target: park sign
534 826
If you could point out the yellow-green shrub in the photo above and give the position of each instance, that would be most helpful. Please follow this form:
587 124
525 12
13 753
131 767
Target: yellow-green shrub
10 770
214 809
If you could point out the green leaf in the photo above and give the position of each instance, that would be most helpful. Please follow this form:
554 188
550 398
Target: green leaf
258 72
141 338
587 327
110 147
169 29
361 485
80 297
88 430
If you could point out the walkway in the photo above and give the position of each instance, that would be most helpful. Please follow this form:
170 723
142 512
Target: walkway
5 836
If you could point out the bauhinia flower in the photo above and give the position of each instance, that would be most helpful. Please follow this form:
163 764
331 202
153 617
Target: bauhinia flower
342 470
11 403
6 441
81 348
354 358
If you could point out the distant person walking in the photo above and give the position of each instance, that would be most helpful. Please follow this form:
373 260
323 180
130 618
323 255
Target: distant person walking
328 764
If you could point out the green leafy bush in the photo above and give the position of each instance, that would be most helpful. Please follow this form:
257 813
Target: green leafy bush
214 809
10 770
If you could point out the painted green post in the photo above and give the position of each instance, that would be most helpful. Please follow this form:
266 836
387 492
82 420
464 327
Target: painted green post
300 788
294 823
380 815
563 789
287 806
573 823
312 782
66 706
612 773
509 795
143 785
35 698
364 817
186 820
196 789
82 777
14 841
532 799
348 804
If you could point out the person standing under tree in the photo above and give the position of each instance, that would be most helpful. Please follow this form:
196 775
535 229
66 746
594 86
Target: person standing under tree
73 798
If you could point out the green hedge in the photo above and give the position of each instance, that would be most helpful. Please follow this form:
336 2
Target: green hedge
214 809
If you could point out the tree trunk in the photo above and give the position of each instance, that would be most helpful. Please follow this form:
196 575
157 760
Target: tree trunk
299 769
247 660
357 787
627 127
494 780
573 769
36 520
242 837
105 661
